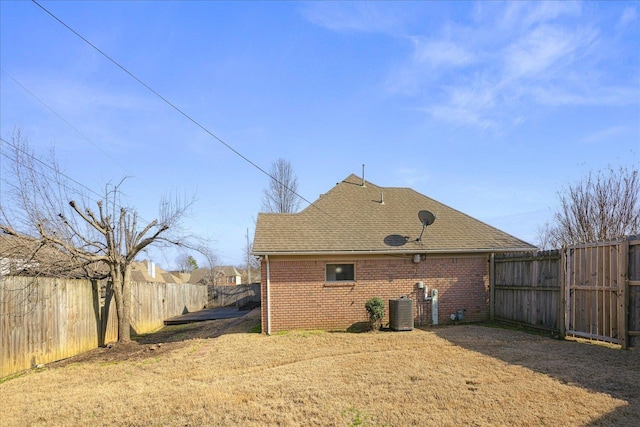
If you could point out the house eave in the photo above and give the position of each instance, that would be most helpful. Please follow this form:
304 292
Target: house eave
387 252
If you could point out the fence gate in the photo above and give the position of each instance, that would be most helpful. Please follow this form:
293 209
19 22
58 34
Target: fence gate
596 294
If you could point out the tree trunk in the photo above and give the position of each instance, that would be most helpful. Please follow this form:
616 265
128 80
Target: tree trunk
124 326
122 293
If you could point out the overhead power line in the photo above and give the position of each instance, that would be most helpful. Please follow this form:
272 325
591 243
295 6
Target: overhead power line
56 171
69 124
179 110
165 100
48 166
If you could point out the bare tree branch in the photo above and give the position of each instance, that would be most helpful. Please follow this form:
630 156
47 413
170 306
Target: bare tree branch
41 205
602 206
282 193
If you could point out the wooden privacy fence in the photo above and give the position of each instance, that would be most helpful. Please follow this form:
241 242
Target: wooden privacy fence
43 319
590 291
526 289
596 291
153 303
238 295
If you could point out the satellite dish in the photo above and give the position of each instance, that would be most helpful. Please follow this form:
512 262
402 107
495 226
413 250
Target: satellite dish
426 218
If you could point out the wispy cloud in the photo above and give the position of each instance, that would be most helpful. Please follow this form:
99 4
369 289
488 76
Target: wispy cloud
524 15
351 16
605 135
628 17
441 53
585 95
467 105
491 68
543 52
75 97
411 176
540 55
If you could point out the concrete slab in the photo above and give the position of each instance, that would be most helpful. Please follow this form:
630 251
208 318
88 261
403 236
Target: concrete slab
206 314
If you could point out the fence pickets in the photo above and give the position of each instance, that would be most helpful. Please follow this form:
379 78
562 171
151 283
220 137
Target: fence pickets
45 319
595 292
633 294
527 289
238 295
590 291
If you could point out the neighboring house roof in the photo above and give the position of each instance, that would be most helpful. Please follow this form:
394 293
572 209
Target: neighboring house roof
203 275
352 218
28 256
200 275
140 273
227 270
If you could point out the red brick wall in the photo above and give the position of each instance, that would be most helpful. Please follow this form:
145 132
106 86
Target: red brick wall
301 299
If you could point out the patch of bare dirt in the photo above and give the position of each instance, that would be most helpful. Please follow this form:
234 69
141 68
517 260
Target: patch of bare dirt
165 340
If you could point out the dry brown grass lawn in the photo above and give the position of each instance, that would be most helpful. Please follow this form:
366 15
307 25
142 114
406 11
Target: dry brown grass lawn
216 373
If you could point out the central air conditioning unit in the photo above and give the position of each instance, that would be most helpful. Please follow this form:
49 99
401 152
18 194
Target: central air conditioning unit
401 314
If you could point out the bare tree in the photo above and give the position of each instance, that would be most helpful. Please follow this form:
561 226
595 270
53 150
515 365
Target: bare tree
543 235
251 269
31 191
281 195
210 263
603 206
104 240
186 263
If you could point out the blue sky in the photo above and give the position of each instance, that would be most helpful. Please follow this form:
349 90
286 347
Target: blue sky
488 107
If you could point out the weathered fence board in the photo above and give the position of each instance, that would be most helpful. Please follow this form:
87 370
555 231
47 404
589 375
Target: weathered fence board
527 289
238 295
152 303
634 294
590 291
43 320
596 284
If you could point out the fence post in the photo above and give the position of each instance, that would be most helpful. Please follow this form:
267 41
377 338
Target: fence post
563 295
492 286
623 293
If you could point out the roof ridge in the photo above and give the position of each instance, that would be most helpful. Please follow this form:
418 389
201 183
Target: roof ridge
352 217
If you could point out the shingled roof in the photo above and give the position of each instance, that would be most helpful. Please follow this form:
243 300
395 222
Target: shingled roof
352 218
140 273
28 256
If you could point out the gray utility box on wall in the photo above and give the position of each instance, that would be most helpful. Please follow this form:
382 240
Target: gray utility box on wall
401 314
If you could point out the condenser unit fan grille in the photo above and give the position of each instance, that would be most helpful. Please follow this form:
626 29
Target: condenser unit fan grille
401 314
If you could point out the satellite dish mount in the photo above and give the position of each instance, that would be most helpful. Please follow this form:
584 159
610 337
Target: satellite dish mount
426 218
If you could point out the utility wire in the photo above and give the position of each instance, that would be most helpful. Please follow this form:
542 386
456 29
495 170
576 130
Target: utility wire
26 153
76 130
15 147
69 124
165 100
180 111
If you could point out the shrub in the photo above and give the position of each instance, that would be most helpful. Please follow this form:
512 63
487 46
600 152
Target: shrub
375 308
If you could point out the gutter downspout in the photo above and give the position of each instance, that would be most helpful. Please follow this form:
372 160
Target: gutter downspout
268 295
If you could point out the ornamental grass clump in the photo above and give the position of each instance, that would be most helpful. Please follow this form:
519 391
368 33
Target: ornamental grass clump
375 308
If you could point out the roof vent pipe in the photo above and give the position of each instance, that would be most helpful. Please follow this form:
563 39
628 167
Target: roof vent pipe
363 182
381 198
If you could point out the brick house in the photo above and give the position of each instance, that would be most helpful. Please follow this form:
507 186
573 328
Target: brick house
359 241
227 275
224 275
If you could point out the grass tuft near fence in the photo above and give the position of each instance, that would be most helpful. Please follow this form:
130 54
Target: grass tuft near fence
44 319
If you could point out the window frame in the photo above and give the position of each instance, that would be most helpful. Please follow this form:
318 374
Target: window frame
336 280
